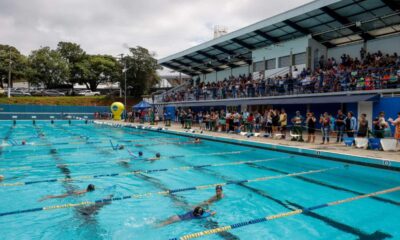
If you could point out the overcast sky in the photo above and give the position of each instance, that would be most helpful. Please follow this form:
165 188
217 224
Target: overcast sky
109 26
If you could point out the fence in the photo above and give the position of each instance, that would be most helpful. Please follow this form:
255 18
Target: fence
44 112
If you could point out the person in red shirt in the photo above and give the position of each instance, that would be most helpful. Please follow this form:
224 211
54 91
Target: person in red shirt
250 122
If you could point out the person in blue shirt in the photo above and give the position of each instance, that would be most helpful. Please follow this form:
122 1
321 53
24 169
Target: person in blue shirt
351 124
196 213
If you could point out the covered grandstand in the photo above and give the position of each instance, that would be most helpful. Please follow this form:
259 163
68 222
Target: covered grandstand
292 41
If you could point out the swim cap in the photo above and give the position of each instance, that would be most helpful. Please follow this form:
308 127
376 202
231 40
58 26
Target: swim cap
158 155
198 211
218 187
140 153
90 188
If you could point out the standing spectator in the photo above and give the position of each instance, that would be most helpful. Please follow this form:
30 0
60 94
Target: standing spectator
351 124
258 120
207 118
362 126
362 53
275 121
283 122
250 122
236 121
325 123
297 128
396 123
268 122
311 124
340 126
380 125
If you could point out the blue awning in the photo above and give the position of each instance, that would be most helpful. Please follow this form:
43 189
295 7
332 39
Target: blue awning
142 105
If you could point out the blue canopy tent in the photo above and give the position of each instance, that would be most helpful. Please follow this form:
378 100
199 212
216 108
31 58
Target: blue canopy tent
141 106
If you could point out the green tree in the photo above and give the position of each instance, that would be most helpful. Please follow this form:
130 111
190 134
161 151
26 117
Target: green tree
141 71
97 69
75 56
18 64
47 67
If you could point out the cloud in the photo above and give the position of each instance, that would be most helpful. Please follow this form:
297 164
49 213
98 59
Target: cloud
108 27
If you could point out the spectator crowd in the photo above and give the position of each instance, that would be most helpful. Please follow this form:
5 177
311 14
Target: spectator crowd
370 72
276 124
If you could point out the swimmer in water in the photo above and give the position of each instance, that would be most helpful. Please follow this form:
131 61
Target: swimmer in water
218 196
158 156
1 178
90 188
23 142
197 140
197 213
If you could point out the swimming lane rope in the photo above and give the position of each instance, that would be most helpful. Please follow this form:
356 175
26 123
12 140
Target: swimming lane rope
283 215
167 192
117 160
183 168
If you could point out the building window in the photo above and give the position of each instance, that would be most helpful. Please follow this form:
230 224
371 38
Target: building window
299 58
284 61
271 64
259 66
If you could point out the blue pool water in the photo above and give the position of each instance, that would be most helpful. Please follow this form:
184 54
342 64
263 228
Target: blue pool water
81 150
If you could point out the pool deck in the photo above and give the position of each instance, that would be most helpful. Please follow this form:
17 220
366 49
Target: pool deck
332 147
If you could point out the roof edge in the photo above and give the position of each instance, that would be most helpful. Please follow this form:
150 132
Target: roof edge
316 4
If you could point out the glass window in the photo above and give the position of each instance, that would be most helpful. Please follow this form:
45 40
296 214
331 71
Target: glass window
300 58
258 66
271 64
284 61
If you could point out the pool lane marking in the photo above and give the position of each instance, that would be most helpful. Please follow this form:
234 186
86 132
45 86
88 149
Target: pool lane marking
283 215
16 143
168 192
183 168
117 160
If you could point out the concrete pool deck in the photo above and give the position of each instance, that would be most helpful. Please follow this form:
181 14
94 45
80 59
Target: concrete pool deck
332 147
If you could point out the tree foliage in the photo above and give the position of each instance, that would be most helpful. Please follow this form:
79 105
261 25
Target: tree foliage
47 67
141 71
70 64
18 64
74 55
97 69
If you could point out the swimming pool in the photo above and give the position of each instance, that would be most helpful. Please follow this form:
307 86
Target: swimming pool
259 183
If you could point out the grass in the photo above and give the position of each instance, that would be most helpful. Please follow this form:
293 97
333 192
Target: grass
67 101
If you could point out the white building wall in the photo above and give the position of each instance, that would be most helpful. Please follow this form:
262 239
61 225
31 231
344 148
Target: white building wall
276 51
226 73
387 45
316 50
241 70
352 49
298 45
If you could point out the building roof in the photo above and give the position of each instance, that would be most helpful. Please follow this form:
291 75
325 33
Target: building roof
331 22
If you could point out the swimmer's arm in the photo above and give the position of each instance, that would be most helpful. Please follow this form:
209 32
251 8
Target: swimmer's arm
79 192
170 220
53 196
212 213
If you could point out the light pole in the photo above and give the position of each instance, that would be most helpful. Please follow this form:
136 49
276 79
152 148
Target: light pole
124 70
9 77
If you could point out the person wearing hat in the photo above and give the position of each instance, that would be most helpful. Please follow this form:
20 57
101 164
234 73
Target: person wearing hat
218 196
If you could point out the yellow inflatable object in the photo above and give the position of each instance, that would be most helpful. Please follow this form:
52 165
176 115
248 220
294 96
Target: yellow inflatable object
117 108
